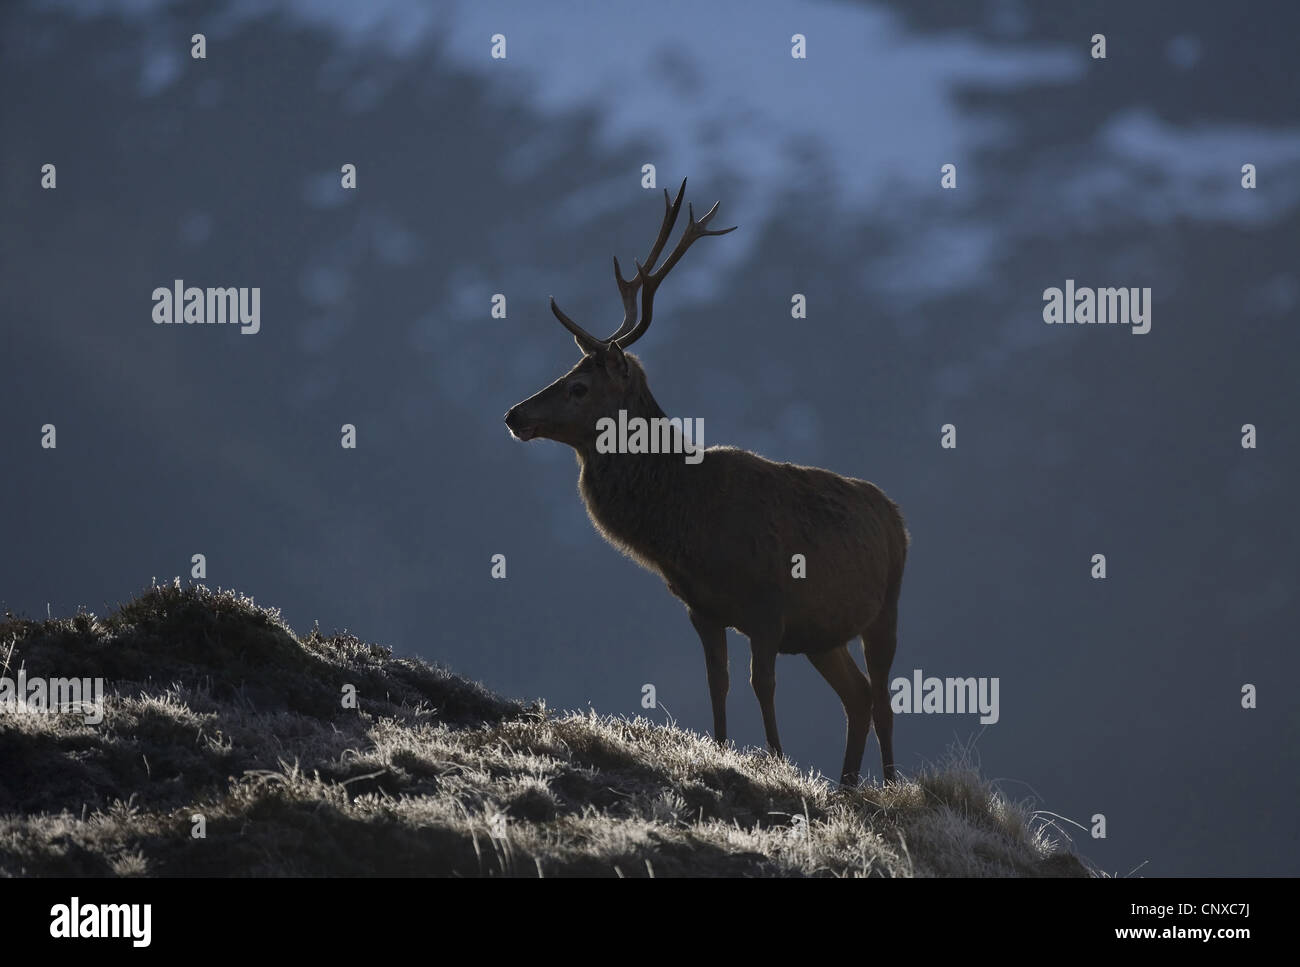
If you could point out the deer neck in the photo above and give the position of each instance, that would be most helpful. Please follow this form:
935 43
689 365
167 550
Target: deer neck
630 496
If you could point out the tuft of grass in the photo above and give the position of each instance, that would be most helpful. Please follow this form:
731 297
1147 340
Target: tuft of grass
219 719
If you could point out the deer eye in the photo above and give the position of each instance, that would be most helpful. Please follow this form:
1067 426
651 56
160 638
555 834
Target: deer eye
578 390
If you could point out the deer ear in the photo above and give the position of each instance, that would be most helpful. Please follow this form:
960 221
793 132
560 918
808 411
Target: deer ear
615 360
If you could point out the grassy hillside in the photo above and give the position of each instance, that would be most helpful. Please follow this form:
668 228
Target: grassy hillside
217 709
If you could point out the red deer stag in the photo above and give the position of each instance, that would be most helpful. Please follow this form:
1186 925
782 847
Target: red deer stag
724 530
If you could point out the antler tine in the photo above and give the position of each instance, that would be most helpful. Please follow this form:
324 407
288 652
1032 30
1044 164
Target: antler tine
627 288
627 291
586 341
670 219
649 280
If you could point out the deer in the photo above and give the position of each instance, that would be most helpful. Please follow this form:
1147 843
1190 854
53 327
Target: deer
723 531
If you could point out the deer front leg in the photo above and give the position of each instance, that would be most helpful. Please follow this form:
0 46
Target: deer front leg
762 675
714 638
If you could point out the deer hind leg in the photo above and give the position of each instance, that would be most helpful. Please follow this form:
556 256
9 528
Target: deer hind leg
714 638
762 676
843 674
878 645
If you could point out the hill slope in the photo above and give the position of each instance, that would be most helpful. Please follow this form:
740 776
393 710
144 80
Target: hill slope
216 709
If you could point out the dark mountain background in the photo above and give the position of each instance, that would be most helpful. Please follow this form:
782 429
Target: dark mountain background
522 176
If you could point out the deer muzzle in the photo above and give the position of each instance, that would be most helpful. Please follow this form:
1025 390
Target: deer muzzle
519 427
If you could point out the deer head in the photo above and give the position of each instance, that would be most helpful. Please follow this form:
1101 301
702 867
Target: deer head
607 378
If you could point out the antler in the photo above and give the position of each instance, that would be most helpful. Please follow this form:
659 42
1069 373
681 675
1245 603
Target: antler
586 341
650 281
627 288
647 278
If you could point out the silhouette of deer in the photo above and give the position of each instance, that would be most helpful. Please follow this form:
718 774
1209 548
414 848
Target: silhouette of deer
724 532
